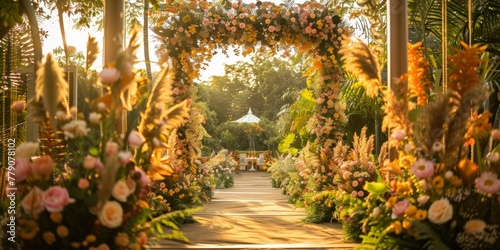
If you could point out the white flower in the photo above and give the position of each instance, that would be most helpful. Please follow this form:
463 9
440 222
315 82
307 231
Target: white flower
440 212
120 191
493 157
94 117
111 214
135 139
26 150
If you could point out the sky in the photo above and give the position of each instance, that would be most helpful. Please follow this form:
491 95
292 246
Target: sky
78 39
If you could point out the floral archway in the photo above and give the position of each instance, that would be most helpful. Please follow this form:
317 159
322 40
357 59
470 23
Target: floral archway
190 32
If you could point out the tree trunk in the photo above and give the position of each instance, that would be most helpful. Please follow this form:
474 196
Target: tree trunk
63 34
145 33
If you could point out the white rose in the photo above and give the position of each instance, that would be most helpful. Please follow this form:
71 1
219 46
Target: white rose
111 214
474 226
26 150
440 212
120 191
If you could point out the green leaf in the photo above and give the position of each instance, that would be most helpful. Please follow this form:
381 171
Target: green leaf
92 200
94 151
76 193
376 188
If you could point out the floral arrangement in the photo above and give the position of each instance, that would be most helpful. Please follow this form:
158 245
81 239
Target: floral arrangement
85 184
222 166
191 32
353 169
441 189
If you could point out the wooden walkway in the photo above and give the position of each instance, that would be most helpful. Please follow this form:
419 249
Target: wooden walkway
253 215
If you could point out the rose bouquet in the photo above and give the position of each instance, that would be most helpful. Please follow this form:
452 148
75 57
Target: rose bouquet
441 188
84 185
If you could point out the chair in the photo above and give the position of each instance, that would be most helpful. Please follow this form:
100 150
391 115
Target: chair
260 161
243 162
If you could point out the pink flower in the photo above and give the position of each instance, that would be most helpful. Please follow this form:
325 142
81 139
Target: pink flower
422 168
399 208
143 180
42 165
242 25
56 198
320 100
488 183
176 91
18 106
89 162
32 202
361 193
235 5
125 157
162 185
271 28
355 183
22 169
205 22
83 183
135 139
111 147
354 193
346 175
398 134
109 75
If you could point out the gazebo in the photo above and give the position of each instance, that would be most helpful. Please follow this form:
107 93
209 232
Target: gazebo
250 118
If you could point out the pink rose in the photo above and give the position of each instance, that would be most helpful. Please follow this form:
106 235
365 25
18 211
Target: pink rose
42 165
111 147
120 191
135 139
125 157
399 208
109 75
89 162
22 169
18 106
143 180
398 134
83 183
32 202
56 198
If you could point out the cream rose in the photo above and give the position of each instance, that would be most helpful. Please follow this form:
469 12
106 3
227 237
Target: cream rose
474 226
440 212
32 203
111 214
26 150
120 191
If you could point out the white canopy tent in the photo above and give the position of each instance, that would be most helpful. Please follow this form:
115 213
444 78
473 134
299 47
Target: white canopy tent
249 118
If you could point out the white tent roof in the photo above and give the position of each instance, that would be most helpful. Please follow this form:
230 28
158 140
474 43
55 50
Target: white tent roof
249 118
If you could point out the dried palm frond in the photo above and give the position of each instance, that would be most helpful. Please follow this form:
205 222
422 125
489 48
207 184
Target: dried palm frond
418 73
92 52
464 75
470 101
161 94
359 61
52 89
396 108
383 154
362 147
162 159
108 179
340 152
433 121
176 115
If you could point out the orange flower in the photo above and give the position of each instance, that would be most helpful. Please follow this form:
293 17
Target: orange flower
418 73
464 74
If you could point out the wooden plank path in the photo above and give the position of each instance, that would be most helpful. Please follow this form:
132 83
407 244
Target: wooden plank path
253 215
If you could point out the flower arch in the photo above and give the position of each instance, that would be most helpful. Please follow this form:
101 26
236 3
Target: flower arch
191 31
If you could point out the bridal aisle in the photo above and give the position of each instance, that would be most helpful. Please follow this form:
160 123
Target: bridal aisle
253 215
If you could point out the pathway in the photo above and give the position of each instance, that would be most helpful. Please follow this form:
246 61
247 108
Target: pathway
253 215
